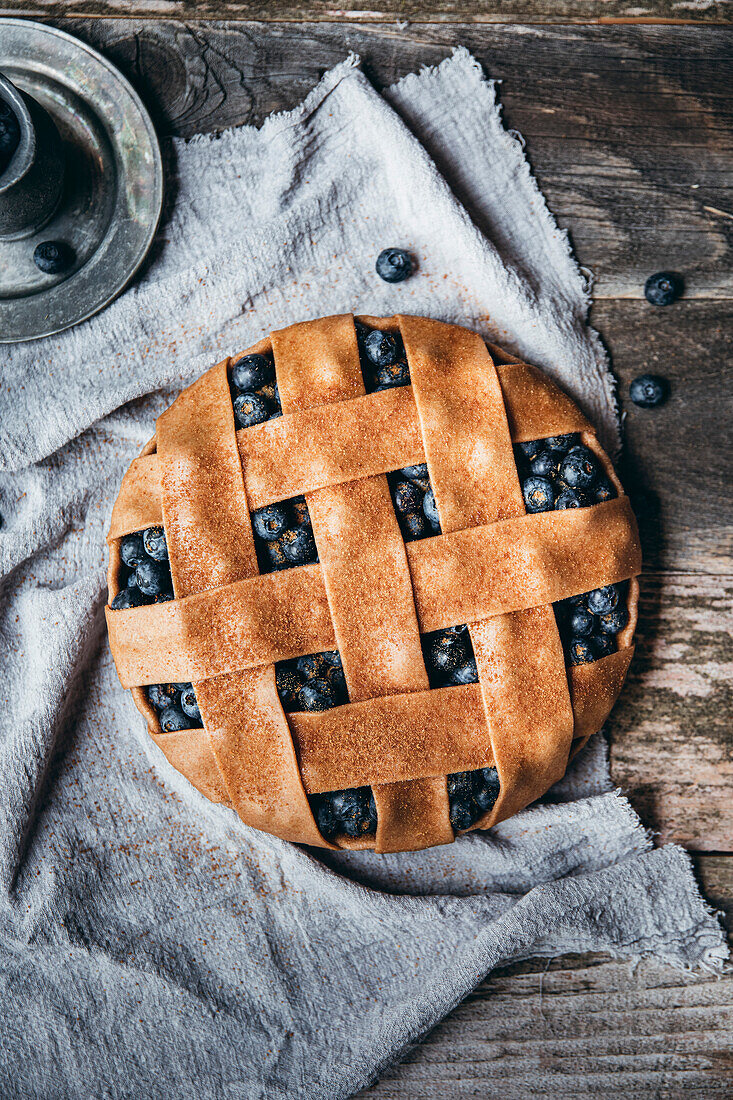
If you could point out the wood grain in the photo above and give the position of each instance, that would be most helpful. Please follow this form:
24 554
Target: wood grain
629 132
414 11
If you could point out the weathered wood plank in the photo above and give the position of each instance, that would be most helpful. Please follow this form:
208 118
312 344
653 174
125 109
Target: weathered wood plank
671 738
414 11
582 1025
629 131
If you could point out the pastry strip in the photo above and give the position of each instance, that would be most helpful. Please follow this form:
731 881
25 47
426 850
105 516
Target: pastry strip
360 547
210 543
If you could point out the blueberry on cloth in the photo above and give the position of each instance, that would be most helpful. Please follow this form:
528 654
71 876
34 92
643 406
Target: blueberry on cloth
289 682
546 464
269 522
414 473
467 673
252 371
570 498
538 493
603 644
317 695
393 265
580 622
250 409
9 133
430 508
127 598
299 546
415 526
132 550
172 719
613 621
162 695
407 497
581 651
382 348
648 390
663 288
602 600
189 705
153 577
53 257
579 468
155 544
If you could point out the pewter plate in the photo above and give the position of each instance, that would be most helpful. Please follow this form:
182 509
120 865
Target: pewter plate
114 183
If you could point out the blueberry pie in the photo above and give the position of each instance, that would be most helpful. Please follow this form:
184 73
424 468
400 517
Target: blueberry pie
345 593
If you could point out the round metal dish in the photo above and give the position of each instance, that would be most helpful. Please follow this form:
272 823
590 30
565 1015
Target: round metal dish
113 190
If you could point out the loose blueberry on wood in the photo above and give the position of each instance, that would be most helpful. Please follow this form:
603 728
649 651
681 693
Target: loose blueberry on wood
53 257
394 265
648 390
663 288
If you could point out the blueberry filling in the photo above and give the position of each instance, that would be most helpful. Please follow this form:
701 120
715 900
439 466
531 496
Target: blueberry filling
560 472
383 359
255 396
589 623
414 502
471 795
175 705
145 576
283 535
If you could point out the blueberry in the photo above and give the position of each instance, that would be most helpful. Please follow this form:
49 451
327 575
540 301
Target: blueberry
561 443
9 133
430 508
446 652
579 468
467 673
546 464
132 550
345 804
531 449
407 497
272 395
393 265
396 375
299 512
570 498
580 622
415 526
131 580
603 645
153 577
189 705
155 544
127 598
462 813
299 546
53 257
613 621
603 491
663 288
313 665
162 695
414 473
269 523
486 788
250 409
335 677
538 493
275 555
317 695
602 600
252 371
326 819
289 682
459 785
581 651
382 348
648 390
355 810
172 719
164 596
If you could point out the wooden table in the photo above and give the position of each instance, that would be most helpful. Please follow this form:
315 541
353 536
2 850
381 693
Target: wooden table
629 131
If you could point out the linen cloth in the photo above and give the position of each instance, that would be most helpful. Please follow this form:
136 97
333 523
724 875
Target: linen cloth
153 945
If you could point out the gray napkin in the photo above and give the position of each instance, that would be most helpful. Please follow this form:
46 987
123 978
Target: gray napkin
152 945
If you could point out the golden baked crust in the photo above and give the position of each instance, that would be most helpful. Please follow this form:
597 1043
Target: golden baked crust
371 596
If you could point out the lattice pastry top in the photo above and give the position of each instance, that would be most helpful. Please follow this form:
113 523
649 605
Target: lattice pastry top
372 583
